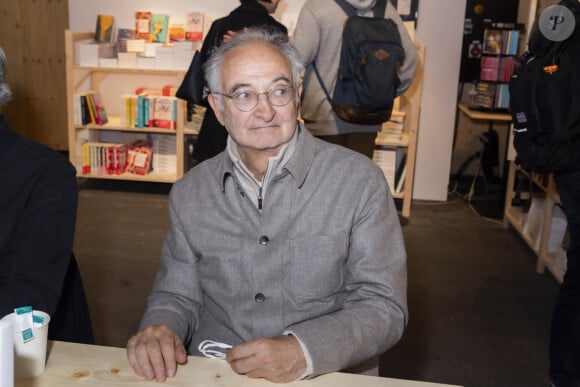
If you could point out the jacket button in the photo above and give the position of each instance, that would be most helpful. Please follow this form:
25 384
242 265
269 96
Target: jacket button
259 298
264 240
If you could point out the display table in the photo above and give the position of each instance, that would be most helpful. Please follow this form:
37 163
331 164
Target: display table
71 364
481 115
490 117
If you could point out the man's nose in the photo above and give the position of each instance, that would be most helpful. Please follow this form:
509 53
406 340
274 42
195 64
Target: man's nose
264 108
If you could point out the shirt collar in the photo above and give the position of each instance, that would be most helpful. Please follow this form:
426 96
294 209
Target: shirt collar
298 165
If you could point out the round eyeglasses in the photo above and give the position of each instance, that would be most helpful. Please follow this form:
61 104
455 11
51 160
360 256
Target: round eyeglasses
246 100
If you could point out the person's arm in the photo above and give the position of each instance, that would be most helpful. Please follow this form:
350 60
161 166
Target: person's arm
375 311
306 35
409 66
42 238
172 310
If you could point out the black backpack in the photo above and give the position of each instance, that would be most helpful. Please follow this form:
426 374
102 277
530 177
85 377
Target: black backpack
368 73
545 96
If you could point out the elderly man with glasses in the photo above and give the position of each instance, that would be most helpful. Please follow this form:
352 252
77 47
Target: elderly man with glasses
285 255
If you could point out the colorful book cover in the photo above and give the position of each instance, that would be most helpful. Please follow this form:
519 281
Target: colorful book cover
164 112
100 112
158 31
142 24
119 158
104 28
194 22
90 108
176 29
492 41
139 158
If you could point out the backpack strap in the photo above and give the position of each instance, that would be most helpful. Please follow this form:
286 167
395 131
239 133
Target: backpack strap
321 83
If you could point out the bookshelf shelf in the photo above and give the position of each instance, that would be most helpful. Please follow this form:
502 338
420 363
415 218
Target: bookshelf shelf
120 70
150 177
537 226
111 83
114 124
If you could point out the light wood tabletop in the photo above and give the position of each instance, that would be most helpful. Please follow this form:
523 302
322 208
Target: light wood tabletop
70 365
482 115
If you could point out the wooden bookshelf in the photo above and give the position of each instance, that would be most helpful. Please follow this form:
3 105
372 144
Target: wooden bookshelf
554 261
409 103
83 77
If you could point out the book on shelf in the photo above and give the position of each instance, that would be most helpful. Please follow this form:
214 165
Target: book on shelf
164 153
82 115
104 28
139 158
401 170
492 41
194 26
142 25
400 182
98 107
176 29
500 41
385 158
158 30
102 158
123 35
165 112
86 53
489 68
393 129
90 108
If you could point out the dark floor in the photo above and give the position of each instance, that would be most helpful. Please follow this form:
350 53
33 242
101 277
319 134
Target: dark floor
479 313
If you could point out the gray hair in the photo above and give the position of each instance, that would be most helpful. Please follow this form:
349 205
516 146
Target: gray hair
5 93
266 35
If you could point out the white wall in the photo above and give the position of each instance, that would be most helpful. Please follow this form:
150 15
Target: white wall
440 28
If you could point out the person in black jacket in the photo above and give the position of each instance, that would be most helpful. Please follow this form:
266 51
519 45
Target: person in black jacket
212 135
38 206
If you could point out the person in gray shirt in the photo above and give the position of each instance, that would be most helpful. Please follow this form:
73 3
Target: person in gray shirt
318 38
283 248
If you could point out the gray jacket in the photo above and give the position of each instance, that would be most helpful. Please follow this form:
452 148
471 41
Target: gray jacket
318 38
324 260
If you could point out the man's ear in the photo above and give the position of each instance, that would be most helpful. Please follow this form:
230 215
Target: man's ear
299 90
213 102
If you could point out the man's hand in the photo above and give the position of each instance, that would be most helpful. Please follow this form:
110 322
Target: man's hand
155 352
279 360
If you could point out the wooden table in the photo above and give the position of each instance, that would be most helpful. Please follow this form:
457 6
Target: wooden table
490 117
71 364
482 115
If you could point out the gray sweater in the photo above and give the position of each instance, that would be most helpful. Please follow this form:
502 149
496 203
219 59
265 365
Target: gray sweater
324 260
318 37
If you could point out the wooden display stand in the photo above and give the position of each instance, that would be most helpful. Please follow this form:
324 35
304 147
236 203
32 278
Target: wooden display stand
76 76
409 103
538 236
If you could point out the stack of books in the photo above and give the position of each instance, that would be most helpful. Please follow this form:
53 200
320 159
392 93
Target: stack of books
392 130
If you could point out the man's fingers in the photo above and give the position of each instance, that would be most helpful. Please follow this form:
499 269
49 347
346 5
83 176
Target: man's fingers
154 362
154 353
132 355
180 351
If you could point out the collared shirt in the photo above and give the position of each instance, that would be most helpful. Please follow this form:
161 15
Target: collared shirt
257 188
324 260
